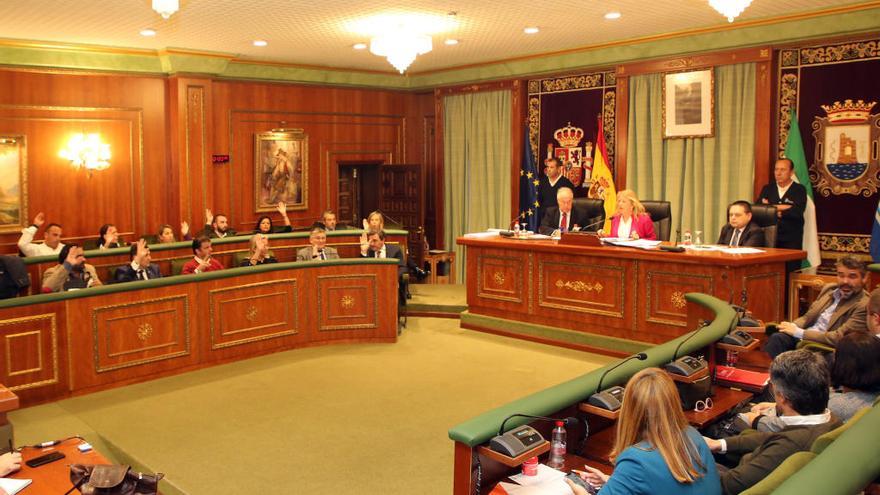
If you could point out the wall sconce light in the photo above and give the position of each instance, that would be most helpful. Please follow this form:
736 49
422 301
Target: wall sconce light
87 151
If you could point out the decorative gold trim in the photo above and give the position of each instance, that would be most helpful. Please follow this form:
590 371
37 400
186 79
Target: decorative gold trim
579 286
649 307
788 99
799 281
842 52
664 110
498 278
373 281
845 243
518 281
213 316
144 332
24 219
290 135
574 266
347 302
677 299
53 329
139 349
102 309
251 313
39 367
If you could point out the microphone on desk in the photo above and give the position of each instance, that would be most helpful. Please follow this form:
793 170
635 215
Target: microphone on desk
571 420
640 356
523 438
687 365
612 398
598 222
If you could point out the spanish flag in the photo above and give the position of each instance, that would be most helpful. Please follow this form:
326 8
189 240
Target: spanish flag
602 182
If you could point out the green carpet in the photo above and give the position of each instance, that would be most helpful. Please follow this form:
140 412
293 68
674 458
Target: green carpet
437 298
365 419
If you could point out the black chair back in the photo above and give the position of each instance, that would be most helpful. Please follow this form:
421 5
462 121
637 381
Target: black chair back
765 217
595 209
661 214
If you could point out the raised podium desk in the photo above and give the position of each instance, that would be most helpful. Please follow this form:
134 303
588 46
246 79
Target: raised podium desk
627 293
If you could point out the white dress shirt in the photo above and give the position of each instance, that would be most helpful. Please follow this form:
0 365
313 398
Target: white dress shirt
27 245
624 228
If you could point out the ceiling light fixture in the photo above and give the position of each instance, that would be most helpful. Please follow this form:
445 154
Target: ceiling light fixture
359 46
531 30
730 8
166 8
148 32
451 42
260 42
401 47
612 16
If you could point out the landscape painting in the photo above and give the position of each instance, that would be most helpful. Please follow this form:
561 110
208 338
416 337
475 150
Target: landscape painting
13 183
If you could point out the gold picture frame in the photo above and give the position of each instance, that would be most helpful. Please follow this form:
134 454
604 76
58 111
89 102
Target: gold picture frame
689 104
281 169
13 183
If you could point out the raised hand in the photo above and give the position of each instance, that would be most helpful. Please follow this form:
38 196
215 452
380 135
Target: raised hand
282 208
366 224
209 217
40 219
141 251
72 254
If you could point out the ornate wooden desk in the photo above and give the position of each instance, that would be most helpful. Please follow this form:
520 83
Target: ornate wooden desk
627 293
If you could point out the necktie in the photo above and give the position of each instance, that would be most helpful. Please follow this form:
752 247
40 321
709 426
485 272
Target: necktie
141 275
322 255
735 241
563 224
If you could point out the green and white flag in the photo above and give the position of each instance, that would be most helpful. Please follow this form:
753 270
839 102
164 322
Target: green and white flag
794 151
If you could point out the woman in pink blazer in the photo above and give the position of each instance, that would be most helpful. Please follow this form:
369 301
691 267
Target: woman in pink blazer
631 221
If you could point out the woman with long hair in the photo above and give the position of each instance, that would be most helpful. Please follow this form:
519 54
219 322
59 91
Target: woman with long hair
631 221
656 451
264 223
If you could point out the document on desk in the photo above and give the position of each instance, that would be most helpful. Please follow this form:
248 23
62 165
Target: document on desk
637 243
742 250
548 481
481 235
12 485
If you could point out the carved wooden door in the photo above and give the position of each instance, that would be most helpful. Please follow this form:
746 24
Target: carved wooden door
401 200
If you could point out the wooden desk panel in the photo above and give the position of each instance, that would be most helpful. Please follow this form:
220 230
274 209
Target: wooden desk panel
620 292
101 338
55 476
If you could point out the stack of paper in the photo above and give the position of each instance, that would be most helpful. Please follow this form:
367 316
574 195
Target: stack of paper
12 485
548 481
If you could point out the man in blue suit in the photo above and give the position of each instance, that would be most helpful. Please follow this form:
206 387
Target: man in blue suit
140 267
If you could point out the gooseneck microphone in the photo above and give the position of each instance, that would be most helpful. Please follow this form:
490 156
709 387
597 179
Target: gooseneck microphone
597 222
703 324
571 420
640 356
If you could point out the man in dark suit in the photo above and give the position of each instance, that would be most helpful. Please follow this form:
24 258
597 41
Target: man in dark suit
378 249
549 185
790 199
140 267
740 231
564 217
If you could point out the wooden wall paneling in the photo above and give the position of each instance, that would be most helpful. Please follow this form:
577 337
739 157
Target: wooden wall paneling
763 123
33 352
129 113
191 149
439 174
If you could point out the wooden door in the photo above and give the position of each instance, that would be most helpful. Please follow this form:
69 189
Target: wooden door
347 197
402 202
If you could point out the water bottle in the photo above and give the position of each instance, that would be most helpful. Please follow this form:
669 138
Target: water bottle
687 238
698 238
557 447
516 229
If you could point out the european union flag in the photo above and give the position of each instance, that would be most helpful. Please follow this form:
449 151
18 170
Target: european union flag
528 187
875 236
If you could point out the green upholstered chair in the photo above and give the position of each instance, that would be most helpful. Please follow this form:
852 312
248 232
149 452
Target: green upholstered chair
177 266
788 467
814 346
825 440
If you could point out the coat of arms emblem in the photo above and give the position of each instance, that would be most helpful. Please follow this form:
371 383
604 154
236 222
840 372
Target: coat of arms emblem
846 160
577 161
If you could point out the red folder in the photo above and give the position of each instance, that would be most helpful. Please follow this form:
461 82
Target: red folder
753 381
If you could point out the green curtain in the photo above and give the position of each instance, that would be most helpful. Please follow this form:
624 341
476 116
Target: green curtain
699 176
476 154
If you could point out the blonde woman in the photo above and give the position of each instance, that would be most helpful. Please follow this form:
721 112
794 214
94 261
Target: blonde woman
375 222
631 220
656 451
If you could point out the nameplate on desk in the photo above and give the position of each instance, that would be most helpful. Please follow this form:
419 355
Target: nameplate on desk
580 239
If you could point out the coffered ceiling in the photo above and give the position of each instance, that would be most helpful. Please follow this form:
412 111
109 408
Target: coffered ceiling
321 33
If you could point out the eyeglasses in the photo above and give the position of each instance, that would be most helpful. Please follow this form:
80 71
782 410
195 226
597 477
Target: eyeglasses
703 405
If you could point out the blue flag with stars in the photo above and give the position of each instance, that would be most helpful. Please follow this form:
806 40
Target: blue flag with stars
875 236
528 187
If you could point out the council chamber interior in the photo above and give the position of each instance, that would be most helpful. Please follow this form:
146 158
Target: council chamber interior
502 304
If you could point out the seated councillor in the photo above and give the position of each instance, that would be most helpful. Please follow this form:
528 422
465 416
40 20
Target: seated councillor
51 244
631 221
563 217
10 462
141 267
800 385
840 308
166 233
376 248
264 223
71 273
259 252
655 451
374 222
217 226
202 261
855 380
740 231
331 223
108 237
318 249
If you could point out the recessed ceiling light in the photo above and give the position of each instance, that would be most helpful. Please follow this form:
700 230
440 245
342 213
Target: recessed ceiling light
260 42
451 42
359 46
531 30
148 32
612 15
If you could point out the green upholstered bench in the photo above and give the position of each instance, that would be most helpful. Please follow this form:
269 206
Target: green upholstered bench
788 467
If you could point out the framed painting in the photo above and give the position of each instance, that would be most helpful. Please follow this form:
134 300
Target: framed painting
689 104
13 183
281 169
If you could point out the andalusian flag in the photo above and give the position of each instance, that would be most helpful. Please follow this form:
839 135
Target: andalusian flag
602 182
794 151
